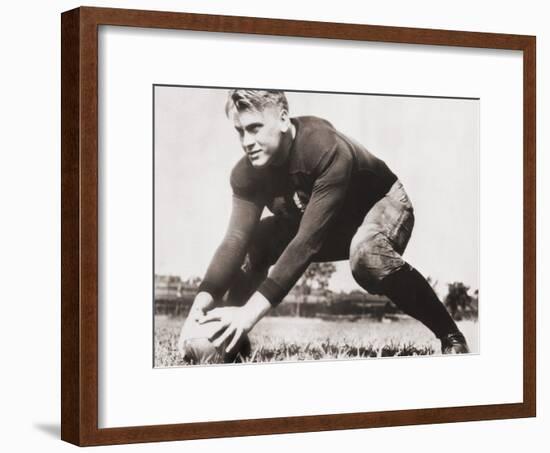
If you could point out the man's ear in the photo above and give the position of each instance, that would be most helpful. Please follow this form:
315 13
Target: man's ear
285 120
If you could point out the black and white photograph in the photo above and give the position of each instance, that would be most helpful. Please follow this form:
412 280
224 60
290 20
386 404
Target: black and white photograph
299 226
269 227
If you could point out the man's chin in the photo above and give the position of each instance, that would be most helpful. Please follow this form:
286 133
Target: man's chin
258 163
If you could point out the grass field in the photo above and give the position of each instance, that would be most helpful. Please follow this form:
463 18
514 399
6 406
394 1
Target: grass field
291 339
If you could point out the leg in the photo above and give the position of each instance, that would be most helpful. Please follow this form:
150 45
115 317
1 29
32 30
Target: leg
377 264
268 243
377 245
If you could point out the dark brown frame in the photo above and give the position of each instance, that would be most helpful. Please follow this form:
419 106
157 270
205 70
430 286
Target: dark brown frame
79 184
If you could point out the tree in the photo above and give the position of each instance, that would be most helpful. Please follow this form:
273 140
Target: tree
316 277
458 300
433 283
192 282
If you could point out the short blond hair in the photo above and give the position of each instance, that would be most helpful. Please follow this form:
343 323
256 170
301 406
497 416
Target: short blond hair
255 100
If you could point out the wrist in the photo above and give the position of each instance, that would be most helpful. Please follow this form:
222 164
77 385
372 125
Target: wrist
257 307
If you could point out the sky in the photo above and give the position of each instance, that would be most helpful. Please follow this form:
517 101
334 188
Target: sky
431 144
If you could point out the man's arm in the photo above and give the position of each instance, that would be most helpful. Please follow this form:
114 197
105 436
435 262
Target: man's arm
225 262
230 253
329 192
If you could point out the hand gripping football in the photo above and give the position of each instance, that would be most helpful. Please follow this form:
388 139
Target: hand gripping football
196 348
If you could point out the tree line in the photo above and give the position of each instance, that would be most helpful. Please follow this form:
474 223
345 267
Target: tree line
311 297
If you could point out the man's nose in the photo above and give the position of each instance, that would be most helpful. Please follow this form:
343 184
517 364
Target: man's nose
248 141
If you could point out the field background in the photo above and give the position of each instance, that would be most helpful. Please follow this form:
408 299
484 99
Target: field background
299 338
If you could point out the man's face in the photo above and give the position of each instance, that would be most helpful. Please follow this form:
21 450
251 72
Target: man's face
261 133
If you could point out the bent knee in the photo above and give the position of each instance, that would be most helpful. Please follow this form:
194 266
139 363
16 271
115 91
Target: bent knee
372 260
366 267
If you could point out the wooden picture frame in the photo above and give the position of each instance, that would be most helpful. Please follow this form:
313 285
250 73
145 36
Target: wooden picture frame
79 168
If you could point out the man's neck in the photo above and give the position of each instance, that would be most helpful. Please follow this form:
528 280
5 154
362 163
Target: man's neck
288 141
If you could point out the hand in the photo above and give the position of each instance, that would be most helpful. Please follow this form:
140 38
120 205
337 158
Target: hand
236 322
203 301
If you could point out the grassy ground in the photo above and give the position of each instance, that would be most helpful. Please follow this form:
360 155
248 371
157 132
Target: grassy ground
290 339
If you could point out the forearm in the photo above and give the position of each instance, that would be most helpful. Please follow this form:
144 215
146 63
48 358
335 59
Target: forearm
289 268
308 242
226 260
229 255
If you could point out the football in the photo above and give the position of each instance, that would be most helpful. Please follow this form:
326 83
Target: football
196 348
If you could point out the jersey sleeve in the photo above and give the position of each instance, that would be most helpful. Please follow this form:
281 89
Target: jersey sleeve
229 256
329 191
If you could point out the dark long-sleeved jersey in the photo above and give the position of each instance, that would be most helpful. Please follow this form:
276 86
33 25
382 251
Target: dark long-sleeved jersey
328 183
